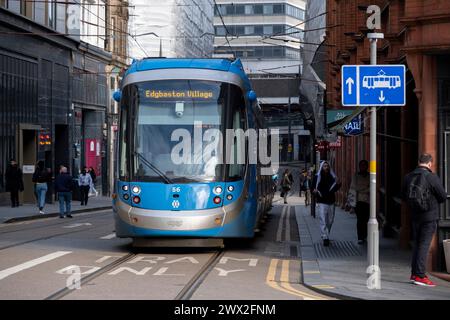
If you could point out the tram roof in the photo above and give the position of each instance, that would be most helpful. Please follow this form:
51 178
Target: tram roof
188 63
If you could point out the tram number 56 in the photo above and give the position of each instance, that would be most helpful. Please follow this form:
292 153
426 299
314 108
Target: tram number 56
176 189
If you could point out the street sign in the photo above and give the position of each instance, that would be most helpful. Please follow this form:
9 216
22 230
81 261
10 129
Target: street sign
373 85
355 127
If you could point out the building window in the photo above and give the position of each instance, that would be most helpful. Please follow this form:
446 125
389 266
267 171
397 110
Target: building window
113 36
240 10
268 9
249 9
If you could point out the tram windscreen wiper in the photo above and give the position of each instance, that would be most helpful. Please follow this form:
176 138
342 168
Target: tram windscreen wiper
154 168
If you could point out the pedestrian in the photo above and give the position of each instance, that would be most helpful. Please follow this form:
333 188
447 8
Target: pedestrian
92 190
324 186
64 187
423 191
14 182
307 187
85 183
286 184
359 199
41 177
302 179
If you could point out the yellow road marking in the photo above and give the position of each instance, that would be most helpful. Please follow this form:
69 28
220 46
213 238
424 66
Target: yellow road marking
285 286
285 283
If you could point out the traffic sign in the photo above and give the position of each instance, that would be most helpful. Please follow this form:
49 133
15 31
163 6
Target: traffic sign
373 85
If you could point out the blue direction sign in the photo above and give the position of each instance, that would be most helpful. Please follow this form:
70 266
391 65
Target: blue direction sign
373 85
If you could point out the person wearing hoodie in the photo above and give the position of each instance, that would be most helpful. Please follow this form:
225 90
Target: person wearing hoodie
324 187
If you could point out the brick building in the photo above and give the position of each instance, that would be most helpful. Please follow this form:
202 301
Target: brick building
417 34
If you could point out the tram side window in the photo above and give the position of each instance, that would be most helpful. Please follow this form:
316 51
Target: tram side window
123 168
236 168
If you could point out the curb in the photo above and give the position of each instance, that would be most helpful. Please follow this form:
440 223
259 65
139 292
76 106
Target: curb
324 292
56 214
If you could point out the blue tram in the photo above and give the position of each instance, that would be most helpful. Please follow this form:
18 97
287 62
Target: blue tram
165 191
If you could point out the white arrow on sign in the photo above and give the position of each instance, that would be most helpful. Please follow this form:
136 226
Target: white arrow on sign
381 97
350 82
77 225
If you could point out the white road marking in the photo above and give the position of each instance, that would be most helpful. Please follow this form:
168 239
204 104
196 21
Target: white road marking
288 224
32 263
280 224
77 225
109 236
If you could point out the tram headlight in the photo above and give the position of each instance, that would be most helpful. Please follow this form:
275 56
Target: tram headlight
126 196
136 190
229 197
218 190
217 200
125 187
230 188
136 199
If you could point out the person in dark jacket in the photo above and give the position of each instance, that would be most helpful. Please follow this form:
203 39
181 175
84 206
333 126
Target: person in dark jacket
424 222
324 186
286 184
14 182
64 186
41 177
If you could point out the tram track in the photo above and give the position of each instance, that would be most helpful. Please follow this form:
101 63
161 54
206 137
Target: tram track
185 294
195 282
106 212
85 280
46 237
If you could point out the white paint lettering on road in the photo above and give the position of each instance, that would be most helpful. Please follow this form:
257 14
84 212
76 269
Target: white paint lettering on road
251 262
32 263
104 258
75 225
70 269
151 259
74 280
136 272
109 236
162 272
224 273
190 259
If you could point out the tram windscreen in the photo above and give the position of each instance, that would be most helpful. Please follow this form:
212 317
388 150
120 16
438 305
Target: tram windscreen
177 129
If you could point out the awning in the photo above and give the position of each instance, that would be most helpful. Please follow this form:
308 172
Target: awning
339 125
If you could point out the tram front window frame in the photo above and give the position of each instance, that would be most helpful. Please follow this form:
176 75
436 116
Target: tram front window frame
149 125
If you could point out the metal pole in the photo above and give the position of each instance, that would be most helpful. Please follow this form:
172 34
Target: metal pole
289 158
374 281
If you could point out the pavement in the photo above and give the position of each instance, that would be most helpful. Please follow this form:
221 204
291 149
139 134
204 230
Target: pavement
30 211
340 270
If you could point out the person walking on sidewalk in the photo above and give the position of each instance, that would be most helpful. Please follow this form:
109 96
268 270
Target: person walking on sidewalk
94 180
359 199
286 183
41 177
301 180
85 183
63 187
14 182
325 185
423 191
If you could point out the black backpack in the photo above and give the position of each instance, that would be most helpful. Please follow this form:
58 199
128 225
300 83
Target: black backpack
419 194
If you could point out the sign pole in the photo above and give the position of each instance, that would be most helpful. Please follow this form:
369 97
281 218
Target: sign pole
374 281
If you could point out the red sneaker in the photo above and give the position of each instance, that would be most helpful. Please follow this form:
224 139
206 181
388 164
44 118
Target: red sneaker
413 278
424 282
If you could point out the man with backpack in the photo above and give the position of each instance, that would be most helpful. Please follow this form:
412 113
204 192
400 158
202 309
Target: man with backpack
423 191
